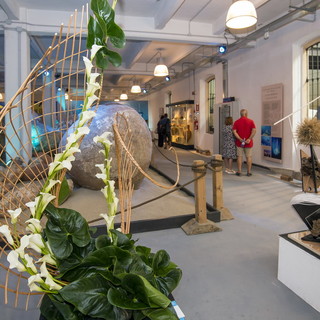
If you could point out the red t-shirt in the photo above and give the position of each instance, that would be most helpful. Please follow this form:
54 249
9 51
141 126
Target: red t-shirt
244 127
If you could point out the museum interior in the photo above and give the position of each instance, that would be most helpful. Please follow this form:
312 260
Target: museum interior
116 198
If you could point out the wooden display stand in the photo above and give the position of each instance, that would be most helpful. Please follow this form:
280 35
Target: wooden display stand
299 265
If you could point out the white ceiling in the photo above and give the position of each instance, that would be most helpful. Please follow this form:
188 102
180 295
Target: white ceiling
185 30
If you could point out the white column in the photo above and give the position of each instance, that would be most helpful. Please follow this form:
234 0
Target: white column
17 68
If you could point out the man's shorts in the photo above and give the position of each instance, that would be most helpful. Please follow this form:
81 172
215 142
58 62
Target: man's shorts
246 151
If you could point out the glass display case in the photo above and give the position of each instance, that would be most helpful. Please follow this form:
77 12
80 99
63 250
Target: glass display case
182 119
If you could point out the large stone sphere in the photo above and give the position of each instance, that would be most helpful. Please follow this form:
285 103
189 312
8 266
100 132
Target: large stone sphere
83 168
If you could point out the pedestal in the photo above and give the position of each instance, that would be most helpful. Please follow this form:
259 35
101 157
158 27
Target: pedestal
299 265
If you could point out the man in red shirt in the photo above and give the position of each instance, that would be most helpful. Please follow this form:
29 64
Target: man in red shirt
244 130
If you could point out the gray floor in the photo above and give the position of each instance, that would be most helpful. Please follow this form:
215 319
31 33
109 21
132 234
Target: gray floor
230 274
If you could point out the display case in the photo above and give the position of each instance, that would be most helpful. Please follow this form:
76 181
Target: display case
182 118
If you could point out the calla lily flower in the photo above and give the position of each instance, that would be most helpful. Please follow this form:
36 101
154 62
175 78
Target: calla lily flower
67 163
91 100
30 263
95 48
101 167
48 259
51 184
88 65
13 259
101 176
108 219
35 278
24 243
36 242
52 285
93 77
34 287
92 88
104 138
4 229
14 215
86 116
34 225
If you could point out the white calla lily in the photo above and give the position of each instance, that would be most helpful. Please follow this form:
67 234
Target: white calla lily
92 88
36 242
104 138
67 164
101 176
14 215
44 271
13 259
88 65
35 278
52 285
24 243
101 167
34 225
108 219
48 259
51 184
91 100
94 49
86 116
30 263
93 77
34 287
4 229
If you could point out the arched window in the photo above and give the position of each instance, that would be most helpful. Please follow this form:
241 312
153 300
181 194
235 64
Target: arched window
313 79
211 99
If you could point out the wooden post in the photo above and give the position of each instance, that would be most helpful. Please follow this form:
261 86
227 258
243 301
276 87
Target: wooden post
217 187
199 224
200 191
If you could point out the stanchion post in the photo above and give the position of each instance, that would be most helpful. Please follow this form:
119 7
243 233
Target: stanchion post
199 224
217 187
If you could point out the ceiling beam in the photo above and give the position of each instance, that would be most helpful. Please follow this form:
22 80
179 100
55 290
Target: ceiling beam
11 9
167 9
134 51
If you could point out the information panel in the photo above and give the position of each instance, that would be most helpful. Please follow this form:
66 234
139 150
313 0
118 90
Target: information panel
272 111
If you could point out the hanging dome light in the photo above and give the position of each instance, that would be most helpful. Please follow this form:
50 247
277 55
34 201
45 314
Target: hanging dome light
161 70
116 100
241 14
123 96
135 88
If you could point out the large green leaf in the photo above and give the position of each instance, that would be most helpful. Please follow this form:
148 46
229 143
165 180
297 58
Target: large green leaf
160 314
161 263
52 309
89 295
138 266
116 35
168 283
95 33
64 228
120 298
103 241
122 240
144 291
64 192
103 12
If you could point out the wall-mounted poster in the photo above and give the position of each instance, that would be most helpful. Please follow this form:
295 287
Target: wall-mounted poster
272 111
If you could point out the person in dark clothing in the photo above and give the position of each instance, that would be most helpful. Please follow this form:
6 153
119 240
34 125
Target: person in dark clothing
160 134
165 127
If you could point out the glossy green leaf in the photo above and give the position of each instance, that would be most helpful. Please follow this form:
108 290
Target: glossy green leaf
95 34
64 228
160 314
138 315
52 309
101 60
139 267
103 12
144 291
89 295
116 35
122 240
64 192
161 263
168 283
103 241
120 298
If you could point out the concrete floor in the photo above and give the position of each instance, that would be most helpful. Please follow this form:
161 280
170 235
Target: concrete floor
230 274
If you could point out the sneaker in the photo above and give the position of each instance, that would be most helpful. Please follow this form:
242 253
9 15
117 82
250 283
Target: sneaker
249 174
238 174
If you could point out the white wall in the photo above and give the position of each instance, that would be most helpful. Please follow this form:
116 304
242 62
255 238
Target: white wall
276 60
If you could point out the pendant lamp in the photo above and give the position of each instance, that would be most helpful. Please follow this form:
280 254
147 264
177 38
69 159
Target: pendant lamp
161 70
123 96
135 88
241 14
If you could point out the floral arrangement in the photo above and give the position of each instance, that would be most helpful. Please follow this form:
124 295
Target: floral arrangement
109 276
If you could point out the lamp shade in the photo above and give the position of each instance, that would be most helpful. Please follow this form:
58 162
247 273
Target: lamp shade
135 88
161 70
123 96
241 14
